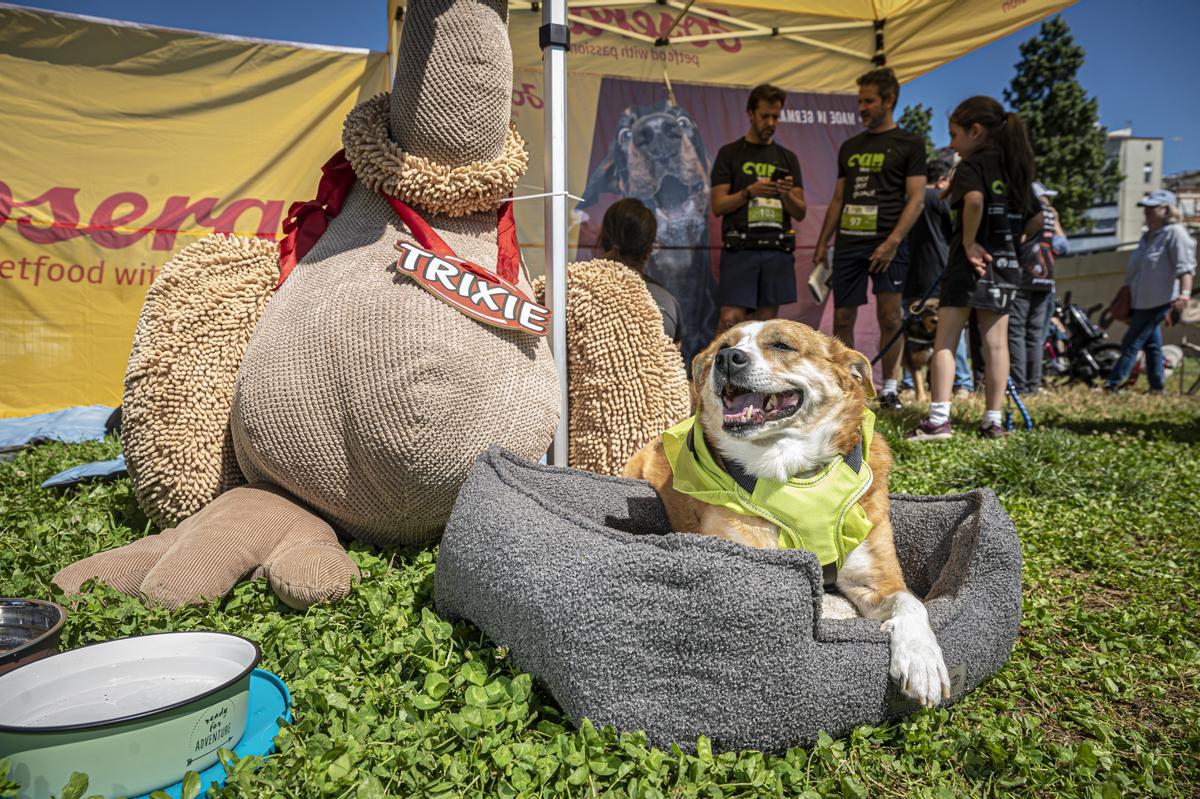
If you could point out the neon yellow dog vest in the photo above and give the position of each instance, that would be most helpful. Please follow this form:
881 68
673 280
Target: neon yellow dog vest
821 513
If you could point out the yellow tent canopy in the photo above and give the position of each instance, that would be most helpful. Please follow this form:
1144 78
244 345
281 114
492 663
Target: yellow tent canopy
814 45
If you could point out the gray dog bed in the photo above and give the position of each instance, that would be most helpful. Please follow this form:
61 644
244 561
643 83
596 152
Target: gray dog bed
681 635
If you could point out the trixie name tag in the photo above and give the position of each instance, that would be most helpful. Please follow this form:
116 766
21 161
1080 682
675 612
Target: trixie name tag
491 300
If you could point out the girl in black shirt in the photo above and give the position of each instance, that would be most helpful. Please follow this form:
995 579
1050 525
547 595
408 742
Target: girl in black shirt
627 236
993 207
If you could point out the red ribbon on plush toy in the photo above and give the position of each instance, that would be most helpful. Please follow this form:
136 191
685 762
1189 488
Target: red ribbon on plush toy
306 223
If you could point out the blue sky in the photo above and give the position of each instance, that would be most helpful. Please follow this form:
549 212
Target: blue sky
1139 65
1139 54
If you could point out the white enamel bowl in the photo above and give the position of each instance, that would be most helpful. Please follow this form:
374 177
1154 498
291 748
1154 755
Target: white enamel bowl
134 714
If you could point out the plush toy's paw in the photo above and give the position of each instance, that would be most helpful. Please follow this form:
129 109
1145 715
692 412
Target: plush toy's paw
310 573
917 663
123 568
238 534
193 328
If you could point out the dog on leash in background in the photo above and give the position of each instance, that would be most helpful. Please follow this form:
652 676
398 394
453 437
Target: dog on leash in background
919 332
782 413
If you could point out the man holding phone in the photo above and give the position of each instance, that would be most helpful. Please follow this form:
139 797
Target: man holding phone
880 193
758 192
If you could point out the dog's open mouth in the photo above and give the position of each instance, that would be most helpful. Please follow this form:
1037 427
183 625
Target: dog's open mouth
671 192
742 408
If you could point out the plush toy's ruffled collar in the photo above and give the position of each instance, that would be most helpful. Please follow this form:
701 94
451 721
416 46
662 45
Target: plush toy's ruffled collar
383 166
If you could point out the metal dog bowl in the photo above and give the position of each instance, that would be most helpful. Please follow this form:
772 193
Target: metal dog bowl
133 714
29 630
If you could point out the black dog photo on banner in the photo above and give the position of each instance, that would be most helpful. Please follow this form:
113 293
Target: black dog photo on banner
655 145
658 156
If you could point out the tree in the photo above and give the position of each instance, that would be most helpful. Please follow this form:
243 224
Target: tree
1064 123
918 119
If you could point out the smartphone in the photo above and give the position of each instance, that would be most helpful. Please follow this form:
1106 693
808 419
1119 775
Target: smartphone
780 174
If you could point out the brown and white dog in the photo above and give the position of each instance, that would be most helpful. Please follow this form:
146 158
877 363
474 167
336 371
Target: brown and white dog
919 333
783 400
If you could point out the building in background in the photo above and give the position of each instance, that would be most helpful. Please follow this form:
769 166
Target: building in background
1186 186
1117 220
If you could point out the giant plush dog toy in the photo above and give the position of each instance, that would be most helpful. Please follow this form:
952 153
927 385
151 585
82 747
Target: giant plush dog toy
361 400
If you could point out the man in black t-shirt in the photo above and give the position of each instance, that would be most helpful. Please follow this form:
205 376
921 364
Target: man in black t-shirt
879 195
929 239
928 254
757 191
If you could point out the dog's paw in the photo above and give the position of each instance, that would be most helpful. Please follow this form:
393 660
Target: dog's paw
917 663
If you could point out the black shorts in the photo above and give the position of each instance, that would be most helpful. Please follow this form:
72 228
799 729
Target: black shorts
962 287
754 279
851 266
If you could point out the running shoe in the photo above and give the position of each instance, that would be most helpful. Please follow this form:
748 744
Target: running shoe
928 431
993 431
889 401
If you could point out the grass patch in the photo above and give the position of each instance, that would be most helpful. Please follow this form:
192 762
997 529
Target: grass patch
1101 697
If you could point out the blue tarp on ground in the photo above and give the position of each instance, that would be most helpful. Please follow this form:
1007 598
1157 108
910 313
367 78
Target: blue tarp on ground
98 470
70 425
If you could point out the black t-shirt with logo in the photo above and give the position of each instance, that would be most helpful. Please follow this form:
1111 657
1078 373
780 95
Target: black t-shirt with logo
876 167
999 233
1037 254
928 246
741 163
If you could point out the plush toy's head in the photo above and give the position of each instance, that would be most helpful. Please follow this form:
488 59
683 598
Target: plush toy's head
452 96
442 141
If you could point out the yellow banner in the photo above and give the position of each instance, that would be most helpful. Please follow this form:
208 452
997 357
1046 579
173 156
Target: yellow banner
120 144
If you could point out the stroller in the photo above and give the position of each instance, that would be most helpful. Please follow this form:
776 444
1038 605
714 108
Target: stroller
1077 349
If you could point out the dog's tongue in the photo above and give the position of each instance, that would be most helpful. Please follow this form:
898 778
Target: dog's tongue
758 407
735 406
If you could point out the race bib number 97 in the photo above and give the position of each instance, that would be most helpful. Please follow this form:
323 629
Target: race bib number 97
860 218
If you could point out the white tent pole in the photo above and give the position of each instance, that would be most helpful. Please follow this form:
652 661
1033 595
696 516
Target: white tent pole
554 39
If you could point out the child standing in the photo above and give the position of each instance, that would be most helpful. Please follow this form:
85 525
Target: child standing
992 203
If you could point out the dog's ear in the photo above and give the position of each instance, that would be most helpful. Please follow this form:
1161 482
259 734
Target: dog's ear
692 131
860 369
612 174
606 178
701 365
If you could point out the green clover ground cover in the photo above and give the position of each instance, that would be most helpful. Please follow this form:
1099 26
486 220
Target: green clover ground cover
1101 697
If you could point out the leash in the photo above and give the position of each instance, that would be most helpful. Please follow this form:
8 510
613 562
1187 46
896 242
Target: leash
907 313
1011 390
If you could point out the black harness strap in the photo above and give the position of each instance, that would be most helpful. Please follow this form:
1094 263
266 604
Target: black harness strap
829 572
854 458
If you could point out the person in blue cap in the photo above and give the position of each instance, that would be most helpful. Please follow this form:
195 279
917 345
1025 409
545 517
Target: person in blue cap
1159 277
1031 309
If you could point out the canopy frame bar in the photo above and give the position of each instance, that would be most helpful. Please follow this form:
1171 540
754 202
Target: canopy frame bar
604 26
721 16
554 38
678 19
748 30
